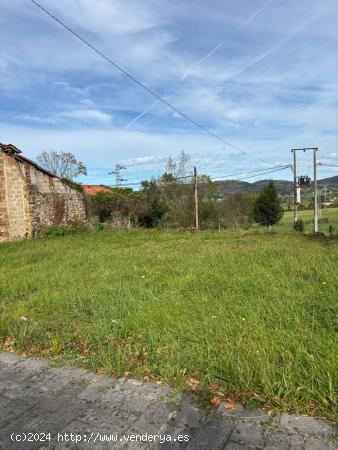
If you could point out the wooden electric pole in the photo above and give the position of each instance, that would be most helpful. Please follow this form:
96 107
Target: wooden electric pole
197 226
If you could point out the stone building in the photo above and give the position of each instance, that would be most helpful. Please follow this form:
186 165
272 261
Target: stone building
32 198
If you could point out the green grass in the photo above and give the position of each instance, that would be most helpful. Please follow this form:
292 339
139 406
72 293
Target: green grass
327 217
250 314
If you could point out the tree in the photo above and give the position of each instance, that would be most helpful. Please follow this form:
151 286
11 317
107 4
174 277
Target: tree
177 191
62 164
125 202
178 168
157 207
268 210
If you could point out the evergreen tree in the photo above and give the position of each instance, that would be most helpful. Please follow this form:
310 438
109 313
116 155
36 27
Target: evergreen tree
268 210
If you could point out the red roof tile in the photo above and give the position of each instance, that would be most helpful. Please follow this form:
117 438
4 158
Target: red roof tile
93 189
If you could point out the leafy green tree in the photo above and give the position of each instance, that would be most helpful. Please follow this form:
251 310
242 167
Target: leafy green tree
157 206
268 210
126 202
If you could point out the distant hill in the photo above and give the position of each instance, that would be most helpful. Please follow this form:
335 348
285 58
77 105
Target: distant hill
284 187
331 181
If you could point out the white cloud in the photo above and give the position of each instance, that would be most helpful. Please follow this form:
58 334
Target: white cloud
87 115
144 160
34 118
117 17
260 89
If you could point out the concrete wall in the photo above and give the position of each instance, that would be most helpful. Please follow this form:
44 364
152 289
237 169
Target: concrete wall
31 199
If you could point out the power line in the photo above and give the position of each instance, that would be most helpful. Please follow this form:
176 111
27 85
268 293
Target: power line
154 178
150 91
251 171
221 177
328 165
265 173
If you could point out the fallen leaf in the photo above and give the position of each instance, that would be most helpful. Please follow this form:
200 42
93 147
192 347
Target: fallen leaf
216 400
309 405
230 404
192 383
8 344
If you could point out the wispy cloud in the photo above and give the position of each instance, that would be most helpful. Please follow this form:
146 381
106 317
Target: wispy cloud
255 14
183 77
144 160
201 61
87 115
152 106
243 69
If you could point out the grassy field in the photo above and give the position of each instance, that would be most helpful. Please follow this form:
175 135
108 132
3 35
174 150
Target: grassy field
327 217
250 315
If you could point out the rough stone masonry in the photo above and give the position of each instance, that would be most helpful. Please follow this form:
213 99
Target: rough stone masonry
32 198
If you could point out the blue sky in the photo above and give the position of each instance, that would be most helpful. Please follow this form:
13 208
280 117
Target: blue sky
260 74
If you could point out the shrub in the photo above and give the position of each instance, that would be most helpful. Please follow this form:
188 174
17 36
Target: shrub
77 227
299 226
54 230
62 230
98 225
331 231
123 201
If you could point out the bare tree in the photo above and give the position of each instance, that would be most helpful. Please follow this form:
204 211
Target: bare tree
178 168
62 164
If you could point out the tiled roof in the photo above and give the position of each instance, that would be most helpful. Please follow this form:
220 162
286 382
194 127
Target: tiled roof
10 148
93 189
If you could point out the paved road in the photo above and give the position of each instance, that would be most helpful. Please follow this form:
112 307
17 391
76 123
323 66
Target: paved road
50 408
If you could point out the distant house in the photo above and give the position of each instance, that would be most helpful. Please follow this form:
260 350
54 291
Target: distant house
32 198
93 189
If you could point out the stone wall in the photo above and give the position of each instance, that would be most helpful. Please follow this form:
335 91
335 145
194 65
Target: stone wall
31 199
15 200
51 208
3 203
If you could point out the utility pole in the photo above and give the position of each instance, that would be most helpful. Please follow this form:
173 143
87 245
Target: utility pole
315 189
295 186
196 199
